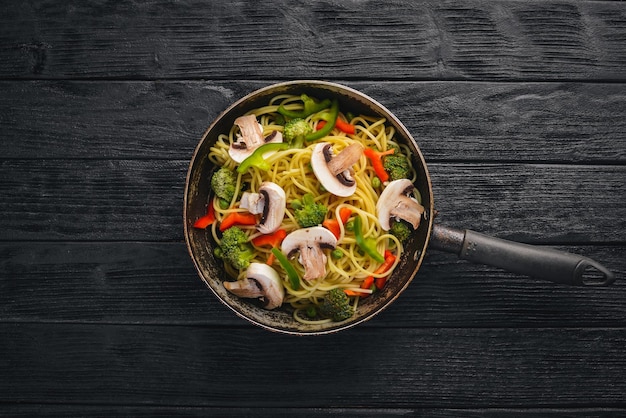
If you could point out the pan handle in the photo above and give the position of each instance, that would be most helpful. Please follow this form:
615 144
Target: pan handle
542 263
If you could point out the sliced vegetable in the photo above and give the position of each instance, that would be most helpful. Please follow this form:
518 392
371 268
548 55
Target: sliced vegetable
368 245
256 158
274 239
340 124
292 274
331 118
310 106
371 282
376 159
368 282
344 214
358 292
333 226
237 218
350 292
206 220
386 265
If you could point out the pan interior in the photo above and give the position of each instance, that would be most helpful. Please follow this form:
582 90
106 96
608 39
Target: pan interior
200 244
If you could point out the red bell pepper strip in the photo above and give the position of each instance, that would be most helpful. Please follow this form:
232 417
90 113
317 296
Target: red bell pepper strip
379 282
350 292
206 220
344 214
368 282
340 124
237 218
386 265
333 226
376 159
274 240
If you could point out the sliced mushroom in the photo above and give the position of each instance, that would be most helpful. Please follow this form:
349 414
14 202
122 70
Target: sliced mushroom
335 171
270 201
310 242
261 282
394 202
250 138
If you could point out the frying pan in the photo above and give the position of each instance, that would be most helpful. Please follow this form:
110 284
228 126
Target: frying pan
545 264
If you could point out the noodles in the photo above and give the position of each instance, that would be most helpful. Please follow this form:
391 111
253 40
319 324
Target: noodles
291 170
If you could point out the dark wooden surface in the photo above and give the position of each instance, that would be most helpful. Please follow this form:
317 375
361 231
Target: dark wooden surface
518 106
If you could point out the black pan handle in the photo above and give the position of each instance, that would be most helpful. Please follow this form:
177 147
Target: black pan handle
542 263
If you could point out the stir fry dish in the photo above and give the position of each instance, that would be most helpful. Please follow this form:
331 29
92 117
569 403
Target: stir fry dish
310 206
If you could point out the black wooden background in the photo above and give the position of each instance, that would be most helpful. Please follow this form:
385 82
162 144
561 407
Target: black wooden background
518 106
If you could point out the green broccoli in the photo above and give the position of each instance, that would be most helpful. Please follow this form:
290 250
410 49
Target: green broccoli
400 230
295 131
397 165
224 183
310 213
235 248
336 305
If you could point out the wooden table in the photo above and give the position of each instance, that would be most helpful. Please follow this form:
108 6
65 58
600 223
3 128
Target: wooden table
518 106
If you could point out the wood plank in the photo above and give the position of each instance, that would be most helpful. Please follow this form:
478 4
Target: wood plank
195 366
155 283
532 203
191 411
526 122
460 39
127 200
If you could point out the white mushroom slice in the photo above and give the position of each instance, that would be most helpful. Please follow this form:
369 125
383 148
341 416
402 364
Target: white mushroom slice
394 202
335 172
250 138
261 282
252 202
310 242
270 202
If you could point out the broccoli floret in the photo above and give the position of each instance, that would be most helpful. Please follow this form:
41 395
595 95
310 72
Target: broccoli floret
224 183
235 247
295 131
400 230
310 213
336 305
397 165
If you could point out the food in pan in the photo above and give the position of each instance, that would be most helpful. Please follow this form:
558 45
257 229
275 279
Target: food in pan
310 206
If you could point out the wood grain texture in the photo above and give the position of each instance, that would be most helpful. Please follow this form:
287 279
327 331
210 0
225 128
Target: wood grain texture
530 122
347 411
134 365
142 200
518 106
377 39
155 283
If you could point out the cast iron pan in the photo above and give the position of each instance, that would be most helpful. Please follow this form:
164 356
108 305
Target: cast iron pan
542 263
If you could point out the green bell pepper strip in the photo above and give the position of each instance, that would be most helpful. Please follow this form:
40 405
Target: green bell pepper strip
256 158
330 118
310 107
292 274
367 245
